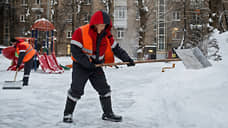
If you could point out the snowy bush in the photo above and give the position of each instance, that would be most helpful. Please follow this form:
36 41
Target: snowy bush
213 49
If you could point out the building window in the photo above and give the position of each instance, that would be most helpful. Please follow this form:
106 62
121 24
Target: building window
161 43
69 18
68 49
137 14
194 4
120 13
120 33
86 18
37 1
176 16
69 34
196 19
162 2
22 18
38 16
6 33
155 27
87 2
175 33
23 2
6 28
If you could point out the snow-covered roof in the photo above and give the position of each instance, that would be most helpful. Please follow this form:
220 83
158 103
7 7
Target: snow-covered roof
42 19
2 46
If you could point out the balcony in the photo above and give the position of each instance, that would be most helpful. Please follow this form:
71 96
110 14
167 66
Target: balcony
38 10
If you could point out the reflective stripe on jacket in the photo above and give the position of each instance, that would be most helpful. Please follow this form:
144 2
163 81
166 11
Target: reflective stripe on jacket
29 51
87 46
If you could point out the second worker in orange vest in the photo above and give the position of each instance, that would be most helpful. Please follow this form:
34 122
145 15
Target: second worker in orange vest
93 44
26 54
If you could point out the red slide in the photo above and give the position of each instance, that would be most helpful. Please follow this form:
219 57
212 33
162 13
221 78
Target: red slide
14 65
49 63
9 53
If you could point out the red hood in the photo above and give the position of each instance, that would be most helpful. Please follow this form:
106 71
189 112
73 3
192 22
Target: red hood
19 41
101 17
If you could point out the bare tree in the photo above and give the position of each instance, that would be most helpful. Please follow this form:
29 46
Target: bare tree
145 9
67 14
197 20
218 15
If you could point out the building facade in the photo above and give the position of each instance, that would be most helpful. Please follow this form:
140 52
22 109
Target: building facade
168 23
5 24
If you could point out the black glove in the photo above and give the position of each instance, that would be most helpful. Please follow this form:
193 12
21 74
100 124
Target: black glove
132 63
17 67
90 66
82 58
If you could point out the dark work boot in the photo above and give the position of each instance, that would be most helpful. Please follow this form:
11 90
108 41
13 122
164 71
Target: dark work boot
25 81
68 112
68 118
107 108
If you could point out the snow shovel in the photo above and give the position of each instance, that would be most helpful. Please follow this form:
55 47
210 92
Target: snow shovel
137 62
193 58
13 84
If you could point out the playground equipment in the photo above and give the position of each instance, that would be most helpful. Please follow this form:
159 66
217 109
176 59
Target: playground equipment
46 59
48 62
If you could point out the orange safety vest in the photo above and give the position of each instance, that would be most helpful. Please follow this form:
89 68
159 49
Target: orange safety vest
88 46
29 52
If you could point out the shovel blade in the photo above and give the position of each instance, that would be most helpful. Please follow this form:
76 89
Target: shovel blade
193 58
12 85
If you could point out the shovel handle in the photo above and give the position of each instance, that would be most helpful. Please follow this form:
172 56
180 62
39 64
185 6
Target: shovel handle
16 74
137 62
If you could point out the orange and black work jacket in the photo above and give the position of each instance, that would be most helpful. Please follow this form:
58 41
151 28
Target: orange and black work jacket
88 46
25 52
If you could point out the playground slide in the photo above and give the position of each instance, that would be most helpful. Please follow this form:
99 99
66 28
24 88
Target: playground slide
13 67
55 60
49 64
9 53
43 63
52 62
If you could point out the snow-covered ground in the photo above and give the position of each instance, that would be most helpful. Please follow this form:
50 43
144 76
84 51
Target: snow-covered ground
143 95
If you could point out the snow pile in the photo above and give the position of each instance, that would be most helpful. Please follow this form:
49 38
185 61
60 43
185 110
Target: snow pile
143 95
213 46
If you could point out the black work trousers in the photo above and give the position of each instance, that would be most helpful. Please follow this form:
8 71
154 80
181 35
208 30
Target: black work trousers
80 76
27 69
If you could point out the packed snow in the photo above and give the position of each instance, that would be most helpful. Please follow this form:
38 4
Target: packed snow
143 95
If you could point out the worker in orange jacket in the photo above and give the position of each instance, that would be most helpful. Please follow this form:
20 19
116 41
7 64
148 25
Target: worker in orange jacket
26 54
93 44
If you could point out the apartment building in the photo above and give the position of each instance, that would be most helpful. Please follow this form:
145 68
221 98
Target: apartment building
168 22
5 16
